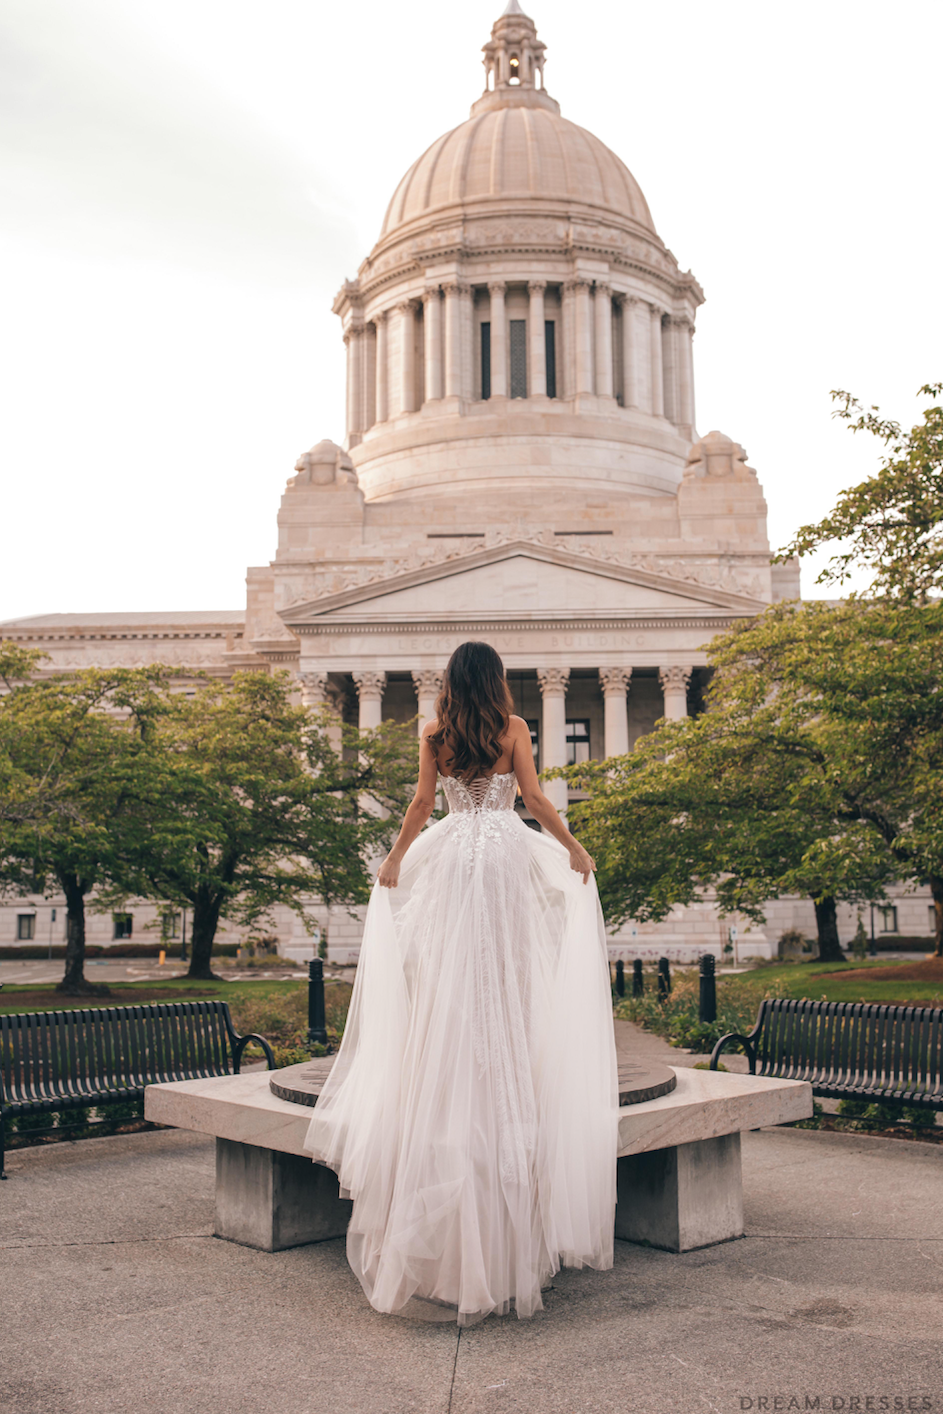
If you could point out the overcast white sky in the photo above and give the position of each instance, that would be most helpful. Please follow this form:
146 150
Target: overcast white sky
186 183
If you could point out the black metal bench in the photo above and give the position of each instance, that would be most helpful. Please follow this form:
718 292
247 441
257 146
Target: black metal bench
848 1050
51 1061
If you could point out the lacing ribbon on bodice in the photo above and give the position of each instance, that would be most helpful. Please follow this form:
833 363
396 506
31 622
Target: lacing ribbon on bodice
494 792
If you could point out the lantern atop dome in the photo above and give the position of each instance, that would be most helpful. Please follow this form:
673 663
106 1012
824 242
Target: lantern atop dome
514 65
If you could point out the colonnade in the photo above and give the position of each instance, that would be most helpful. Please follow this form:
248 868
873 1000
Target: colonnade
612 345
614 682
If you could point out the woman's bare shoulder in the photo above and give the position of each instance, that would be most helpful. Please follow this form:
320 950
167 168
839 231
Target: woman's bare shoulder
517 724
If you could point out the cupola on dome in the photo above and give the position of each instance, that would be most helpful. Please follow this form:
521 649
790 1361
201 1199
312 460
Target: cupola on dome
516 147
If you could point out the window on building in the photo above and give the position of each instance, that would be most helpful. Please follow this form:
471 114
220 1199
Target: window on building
169 926
122 922
25 927
486 360
550 348
577 742
518 358
932 920
533 728
888 918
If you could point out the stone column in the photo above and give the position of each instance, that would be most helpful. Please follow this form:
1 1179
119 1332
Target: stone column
381 320
369 342
674 684
658 394
453 339
629 352
684 330
615 684
537 353
370 687
317 692
566 369
670 366
553 684
432 338
406 393
499 340
428 686
353 339
584 337
603 320
467 340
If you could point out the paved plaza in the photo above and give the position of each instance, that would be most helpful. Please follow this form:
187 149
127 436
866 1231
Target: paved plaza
118 1299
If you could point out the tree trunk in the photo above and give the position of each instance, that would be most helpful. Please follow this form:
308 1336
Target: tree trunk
826 921
74 983
936 888
206 908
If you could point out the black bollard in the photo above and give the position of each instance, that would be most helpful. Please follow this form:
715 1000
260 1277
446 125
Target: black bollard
664 979
638 981
317 1027
620 977
707 1009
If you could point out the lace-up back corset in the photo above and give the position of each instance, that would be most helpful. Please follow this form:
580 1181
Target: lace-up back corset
494 792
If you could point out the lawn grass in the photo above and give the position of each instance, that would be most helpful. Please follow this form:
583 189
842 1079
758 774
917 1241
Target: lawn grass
739 996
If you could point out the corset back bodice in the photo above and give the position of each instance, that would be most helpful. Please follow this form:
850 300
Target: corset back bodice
494 792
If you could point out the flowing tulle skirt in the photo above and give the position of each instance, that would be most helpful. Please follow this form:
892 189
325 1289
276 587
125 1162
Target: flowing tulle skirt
472 1111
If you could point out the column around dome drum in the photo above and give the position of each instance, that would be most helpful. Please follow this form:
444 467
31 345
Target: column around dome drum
685 389
369 366
406 391
537 353
353 343
629 352
583 337
432 343
381 321
602 309
670 361
499 345
453 339
657 370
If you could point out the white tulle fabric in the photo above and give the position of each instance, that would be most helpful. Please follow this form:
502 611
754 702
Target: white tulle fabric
472 1111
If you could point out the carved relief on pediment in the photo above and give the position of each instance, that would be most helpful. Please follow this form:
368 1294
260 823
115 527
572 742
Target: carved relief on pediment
707 574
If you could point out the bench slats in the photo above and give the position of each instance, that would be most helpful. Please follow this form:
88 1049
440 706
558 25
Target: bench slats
865 1050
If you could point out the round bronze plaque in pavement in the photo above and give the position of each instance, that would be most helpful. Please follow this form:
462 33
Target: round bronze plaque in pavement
638 1081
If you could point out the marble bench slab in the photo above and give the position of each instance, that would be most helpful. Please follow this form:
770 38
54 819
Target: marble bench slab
704 1105
678 1168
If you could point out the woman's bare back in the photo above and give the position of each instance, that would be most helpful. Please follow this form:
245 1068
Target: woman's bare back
504 762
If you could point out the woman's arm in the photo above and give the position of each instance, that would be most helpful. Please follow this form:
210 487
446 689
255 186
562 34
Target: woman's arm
522 761
420 808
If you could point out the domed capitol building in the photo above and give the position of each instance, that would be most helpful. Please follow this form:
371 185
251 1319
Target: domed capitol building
521 465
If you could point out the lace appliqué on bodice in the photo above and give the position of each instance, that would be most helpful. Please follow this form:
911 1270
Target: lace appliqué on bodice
494 792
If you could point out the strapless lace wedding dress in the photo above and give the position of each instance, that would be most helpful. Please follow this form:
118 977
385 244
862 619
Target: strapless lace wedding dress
472 1111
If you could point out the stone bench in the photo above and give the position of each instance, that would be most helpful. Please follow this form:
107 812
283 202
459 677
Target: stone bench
678 1166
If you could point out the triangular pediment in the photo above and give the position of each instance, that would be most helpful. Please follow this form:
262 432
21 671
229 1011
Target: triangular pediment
521 576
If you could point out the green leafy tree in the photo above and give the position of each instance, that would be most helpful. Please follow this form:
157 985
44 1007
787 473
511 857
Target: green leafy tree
68 748
243 803
814 770
891 525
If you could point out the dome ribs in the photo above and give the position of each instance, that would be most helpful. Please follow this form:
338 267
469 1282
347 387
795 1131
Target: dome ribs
431 160
496 165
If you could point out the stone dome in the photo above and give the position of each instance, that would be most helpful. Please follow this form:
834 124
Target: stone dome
517 153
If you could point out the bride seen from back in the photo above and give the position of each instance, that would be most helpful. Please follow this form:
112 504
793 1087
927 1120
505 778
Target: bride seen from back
471 1113
475 735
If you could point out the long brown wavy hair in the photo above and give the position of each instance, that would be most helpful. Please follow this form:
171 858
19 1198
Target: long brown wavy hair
472 711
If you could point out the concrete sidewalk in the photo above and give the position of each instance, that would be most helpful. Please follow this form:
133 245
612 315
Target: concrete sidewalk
117 1299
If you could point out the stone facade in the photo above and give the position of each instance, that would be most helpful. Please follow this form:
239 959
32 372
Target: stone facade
521 464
